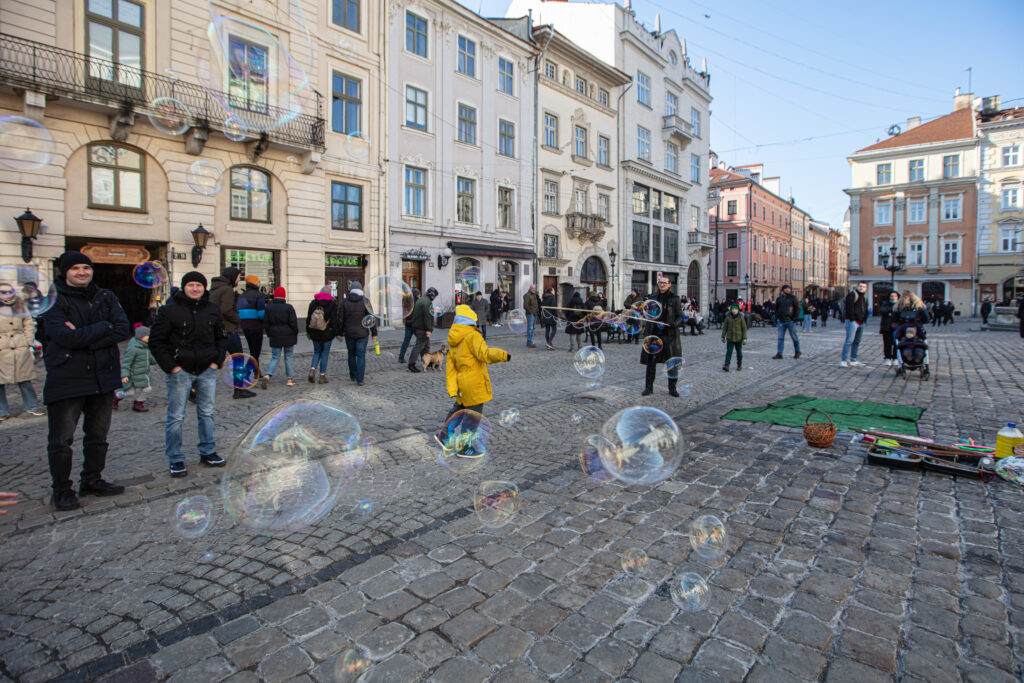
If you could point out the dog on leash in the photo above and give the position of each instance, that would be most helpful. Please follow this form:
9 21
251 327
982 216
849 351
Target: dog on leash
433 360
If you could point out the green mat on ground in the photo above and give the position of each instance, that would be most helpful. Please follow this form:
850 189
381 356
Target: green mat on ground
793 411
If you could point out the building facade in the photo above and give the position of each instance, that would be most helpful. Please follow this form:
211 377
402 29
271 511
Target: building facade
817 259
838 262
915 195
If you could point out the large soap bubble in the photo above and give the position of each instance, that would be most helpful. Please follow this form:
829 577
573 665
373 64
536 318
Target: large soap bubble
645 446
291 466
170 116
689 591
708 537
149 274
674 367
24 144
589 362
496 503
389 298
590 458
517 321
651 309
469 280
463 441
25 292
652 344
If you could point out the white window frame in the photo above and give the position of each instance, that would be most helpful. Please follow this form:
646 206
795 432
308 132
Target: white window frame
695 122
552 129
550 239
916 249
911 169
671 157
1009 196
883 174
550 198
695 168
604 203
643 88
508 79
603 97
471 126
671 104
883 212
580 201
550 69
465 62
913 202
643 143
579 141
407 209
580 85
471 184
1008 235
511 223
956 243
604 151
416 108
948 202
882 246
502 135
1011 155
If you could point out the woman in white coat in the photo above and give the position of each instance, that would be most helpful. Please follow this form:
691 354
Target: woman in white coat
17 332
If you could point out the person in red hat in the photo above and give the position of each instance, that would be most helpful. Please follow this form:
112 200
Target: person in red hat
282 328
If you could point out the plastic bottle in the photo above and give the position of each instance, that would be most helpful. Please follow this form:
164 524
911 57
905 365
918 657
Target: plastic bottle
1008 437
376 346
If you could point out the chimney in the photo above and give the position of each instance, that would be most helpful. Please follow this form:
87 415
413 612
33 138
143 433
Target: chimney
913 122
657 24
991 104
962 101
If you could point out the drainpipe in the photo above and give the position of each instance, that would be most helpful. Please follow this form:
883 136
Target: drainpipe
535 214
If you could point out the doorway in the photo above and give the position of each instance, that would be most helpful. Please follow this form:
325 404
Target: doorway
693 281
339 279
880 293
507 278
593 276
550 281
113 266
933 291
412 274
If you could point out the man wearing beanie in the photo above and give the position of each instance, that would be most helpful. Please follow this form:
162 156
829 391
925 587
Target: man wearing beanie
222 293
83 372
351 312
251 309
189 345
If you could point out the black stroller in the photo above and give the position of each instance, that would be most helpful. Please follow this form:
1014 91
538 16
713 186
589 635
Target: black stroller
911 351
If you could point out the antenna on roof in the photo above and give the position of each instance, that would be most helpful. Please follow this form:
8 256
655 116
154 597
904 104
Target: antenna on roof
894 129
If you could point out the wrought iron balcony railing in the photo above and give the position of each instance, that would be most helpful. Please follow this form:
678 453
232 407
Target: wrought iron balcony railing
73 75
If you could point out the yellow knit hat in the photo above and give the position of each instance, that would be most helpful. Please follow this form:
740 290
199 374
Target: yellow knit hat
463 309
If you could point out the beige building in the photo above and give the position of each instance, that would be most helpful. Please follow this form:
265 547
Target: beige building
164 116
817 258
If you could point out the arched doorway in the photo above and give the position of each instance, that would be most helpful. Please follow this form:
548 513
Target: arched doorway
593 276
507 278
467 279
933 291
693 281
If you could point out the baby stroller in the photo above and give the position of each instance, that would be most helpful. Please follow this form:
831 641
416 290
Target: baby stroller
911 351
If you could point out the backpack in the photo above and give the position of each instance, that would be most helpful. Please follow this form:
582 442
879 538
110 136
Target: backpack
317 320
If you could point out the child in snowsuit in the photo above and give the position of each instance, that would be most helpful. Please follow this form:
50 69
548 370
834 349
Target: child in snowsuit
135 370
734 334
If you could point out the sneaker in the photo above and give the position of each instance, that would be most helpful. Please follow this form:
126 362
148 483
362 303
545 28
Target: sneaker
843 364
856 363
212 460
323 378
139 407
725 368
312 375
65 499
264 382
99 488
777 356
36 412
888 363
242 393
796 355
550 347
178 469
290 382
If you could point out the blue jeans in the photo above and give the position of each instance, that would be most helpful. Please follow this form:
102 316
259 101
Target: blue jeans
852 343
178 386
275 358
531 322
791 326
28 398
321 354
409 334
807 323
356 357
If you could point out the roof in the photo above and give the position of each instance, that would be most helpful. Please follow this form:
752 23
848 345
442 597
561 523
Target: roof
955 126
719 175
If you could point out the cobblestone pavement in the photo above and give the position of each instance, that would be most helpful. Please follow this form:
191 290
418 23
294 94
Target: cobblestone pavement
836 570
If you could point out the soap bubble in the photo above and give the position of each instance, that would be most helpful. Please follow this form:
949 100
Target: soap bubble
517 321
389 298
509 417
205 178
690 592
293 163
437 309
463 441
684 388
352 663
652 344
192 516
149 274
208 556
357 145
708 537
234 129
256 189
25 292
240 371
589 362
674 367
291 466
369 321
169 116
24 144
469 279
576 418
590 458
645 446
346 47
365 507
651 309
496 503
634 561
630 325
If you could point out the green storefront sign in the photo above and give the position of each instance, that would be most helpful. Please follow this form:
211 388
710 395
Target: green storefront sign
343 260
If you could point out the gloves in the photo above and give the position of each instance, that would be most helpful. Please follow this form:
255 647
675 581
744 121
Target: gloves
744 342
509 359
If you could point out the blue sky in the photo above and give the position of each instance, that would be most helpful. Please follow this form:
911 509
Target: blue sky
798 86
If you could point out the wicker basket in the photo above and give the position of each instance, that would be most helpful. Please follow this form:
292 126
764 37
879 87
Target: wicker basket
819 434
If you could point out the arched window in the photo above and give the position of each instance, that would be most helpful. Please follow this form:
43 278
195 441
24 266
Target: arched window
117 177
593 271
250 194
693 281
467 273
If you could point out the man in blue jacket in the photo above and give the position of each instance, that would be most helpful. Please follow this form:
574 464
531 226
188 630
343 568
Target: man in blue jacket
83 369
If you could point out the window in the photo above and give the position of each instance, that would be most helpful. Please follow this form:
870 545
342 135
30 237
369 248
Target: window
415 191
951 166
671 246
250 194
550 196
346 207
695 122
247 75
643 88
915 253
506 138
467 124
656 204
579 141
656 243
883 174
506 208
670 212
465 203
730 207
1010 196
603 151
730 269
116 177
602 97
415 34
550 246
883 213
581 85
881 250
915 170
415 107
346 13
505 76
580 201
671 157
551 70
951 252
951 208
346 104
114 34
917 210
551 131
1011 155
643 143
695 218
603 207
671 104
641 241
467 56
1009 240
754 205
641 200
694 168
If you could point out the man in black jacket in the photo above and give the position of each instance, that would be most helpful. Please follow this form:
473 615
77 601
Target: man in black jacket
787 310
351 312
665 327
188 342
856 317
423 322
83 369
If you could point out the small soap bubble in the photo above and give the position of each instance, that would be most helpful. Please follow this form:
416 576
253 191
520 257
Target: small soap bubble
240 371
149 274
24 144
576 418
469 279
25 292
293 163
352 663
365 507
496 503
708 537
643 446
690 592
651 309
684 388
234 129
205 178
652 344
674 367
463 441
634 561
589 362
357 145
369 321
169 115
208 556
346 47
509 417
192 516
590 458
172 74
517 321
437 309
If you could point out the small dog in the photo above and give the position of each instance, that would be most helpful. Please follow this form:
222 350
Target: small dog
434 359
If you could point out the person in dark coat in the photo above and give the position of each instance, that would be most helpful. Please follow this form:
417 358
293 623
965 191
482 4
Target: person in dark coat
423 322
787 312
282 328
495 309
594 325
83 370
321 332
573 325
480 307
1020 314
986 311
856 317
887 310
548 317
409 300
666 328
222 293
351 312
188 342
251 309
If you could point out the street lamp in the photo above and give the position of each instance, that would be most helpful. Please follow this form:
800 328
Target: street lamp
893 262
747 278
611 262
28 226
200 236
444 257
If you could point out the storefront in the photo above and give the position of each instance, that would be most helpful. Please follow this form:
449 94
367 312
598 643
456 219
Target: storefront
593 277
263 263
505 267
113 267
341 270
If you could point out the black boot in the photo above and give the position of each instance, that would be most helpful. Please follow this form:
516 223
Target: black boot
672 388
649 376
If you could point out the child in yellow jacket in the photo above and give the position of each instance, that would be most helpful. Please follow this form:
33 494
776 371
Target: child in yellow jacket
466 374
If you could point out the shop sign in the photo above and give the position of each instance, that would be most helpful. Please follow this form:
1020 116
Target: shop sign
343 261
238 256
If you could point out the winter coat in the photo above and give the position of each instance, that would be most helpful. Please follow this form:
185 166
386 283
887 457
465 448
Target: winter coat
351 312
665 327
16 338
886 310
629 301
986 308
909 315
188 333
223 294
281 324
84 361
421 318
135 364
531 303
573 317
325 302
480 306
495 307
548 317
251 308
734 328
466 375
856 307
787 308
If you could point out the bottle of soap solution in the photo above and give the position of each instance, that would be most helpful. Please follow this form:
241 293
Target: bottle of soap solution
1008 437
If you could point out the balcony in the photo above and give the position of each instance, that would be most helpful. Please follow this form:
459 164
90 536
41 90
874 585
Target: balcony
64 73
701 240
674 126
584 227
